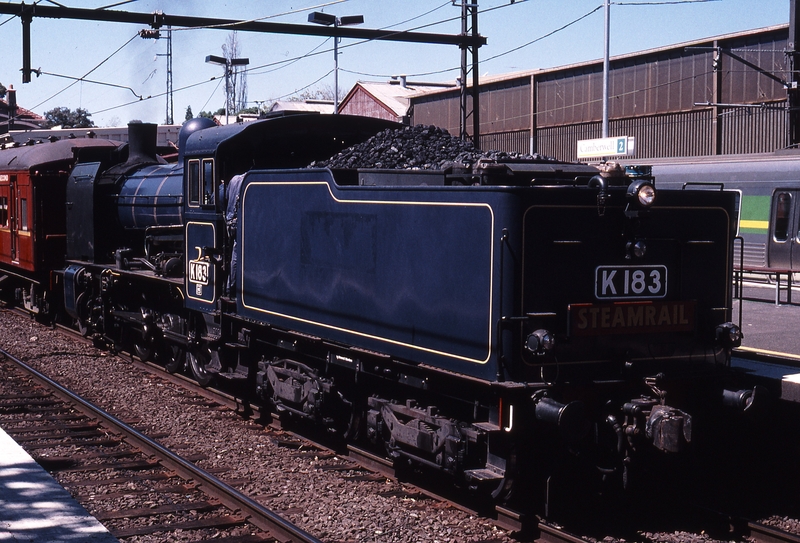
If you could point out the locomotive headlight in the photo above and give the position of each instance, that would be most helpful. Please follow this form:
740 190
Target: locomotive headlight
729 334
540 342
642 193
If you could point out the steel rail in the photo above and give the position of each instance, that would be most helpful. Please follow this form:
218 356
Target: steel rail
257 514
762 533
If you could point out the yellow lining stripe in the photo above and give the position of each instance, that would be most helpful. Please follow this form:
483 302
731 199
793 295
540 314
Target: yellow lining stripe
765 351
753 224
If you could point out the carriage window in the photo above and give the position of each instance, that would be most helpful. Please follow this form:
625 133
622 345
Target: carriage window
3 212
782 209
23 214
208 182
194 182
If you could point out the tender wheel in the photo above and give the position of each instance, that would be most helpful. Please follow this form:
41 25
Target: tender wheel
204 364
503 491
353 423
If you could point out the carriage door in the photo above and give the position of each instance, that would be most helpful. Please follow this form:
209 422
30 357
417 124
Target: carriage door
12 217
784 228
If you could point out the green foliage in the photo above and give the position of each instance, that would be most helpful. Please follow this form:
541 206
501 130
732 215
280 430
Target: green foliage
189 115
210 114
3 90
65 117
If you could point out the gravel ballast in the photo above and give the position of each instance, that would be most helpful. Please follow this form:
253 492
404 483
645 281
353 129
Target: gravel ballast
322 502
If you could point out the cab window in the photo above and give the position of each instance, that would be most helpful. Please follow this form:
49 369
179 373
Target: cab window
200 178
194 182
208 182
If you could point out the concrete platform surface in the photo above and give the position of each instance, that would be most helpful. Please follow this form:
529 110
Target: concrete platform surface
35 508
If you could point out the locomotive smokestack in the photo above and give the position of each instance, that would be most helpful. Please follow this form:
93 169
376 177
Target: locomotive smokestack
142 143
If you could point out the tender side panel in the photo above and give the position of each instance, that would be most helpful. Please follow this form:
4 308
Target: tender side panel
391 271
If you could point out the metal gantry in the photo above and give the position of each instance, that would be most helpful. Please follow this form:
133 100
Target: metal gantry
469 40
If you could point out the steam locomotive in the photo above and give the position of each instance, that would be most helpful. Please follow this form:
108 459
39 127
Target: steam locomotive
505 323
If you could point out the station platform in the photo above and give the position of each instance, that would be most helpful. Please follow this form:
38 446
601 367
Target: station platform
35 508
782 380
769 333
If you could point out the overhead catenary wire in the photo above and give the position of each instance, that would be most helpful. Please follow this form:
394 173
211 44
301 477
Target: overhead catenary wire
80 79
251 70
271 67
445 70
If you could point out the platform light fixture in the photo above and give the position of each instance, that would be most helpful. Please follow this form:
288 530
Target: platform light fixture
228 64
327 19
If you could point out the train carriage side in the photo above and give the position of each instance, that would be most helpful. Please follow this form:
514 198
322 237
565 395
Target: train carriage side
33 181
769 185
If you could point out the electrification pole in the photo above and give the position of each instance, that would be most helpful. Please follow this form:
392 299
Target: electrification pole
606 65
469 27
170 117
792 97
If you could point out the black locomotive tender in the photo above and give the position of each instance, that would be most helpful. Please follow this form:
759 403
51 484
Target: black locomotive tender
503 322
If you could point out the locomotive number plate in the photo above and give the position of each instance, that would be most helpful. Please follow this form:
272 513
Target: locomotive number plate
198 272
630 282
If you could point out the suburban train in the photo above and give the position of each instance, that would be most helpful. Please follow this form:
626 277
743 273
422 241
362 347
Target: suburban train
507 323
769 188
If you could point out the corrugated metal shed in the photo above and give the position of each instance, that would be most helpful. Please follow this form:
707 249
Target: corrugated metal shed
692 98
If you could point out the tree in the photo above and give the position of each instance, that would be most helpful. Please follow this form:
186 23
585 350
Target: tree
324 92
3 90
65 117
189 115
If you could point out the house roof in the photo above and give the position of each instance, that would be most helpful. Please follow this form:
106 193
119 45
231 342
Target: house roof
322 106
391 95
23 118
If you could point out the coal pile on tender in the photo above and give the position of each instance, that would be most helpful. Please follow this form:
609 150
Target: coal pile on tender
419 147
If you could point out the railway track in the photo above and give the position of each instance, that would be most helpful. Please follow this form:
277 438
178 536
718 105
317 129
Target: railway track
44 415
308 448
741 530
361 458
761 533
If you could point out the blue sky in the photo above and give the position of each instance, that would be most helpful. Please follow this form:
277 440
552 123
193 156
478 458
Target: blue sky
71 48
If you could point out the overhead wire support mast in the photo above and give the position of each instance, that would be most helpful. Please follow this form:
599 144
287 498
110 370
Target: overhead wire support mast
469 28
158 19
